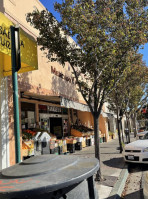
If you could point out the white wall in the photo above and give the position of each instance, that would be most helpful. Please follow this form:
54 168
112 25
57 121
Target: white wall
4 124
4 120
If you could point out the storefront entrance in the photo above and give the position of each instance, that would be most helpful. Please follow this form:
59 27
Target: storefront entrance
56 127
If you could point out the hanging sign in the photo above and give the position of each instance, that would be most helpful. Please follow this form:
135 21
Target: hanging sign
28 47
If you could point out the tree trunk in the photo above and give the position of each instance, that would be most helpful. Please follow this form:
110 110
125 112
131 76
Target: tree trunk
127 133
129 130
121 130
135 126
119 134
97 145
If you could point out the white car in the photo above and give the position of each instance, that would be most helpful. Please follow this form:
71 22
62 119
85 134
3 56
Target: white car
140 135
137 151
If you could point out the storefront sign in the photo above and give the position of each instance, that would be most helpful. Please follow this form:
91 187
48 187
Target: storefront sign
54 109
28 48
50 108
61 75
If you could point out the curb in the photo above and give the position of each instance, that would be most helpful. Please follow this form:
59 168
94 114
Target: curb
120 184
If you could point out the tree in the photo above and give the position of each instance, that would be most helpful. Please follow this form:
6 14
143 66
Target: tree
137 98
138 94
128 94
143 108
105 32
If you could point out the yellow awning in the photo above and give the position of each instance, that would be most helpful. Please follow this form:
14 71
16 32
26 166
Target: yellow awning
28 48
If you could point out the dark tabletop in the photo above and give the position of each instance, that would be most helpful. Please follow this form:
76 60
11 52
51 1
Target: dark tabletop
45 173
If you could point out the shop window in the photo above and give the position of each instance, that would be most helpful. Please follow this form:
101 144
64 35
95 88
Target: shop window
44 124
27 115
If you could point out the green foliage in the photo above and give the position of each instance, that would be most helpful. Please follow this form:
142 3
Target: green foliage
130 89
106 32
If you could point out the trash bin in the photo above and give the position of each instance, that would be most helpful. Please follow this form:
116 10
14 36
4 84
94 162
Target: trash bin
37 145
126 131
50 177
41 141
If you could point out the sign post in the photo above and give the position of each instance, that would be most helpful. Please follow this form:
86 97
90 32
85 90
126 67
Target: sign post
16 65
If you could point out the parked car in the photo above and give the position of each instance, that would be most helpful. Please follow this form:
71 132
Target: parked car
137 151
144 128
145 187
141 135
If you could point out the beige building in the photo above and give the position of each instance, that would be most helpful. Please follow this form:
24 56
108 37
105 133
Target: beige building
47 96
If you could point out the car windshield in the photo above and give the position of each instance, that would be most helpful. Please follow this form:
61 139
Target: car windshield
145 137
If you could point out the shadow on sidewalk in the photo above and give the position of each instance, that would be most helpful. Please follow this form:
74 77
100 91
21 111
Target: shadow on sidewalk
115 162
132 167
135 195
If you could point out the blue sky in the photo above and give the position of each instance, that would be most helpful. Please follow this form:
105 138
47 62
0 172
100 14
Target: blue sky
49 5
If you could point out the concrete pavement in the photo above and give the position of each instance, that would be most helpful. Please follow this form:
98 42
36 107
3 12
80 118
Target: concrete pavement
113 168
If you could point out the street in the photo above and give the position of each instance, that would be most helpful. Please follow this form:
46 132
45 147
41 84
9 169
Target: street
134 183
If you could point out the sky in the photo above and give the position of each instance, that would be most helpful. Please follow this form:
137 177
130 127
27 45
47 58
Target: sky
49 4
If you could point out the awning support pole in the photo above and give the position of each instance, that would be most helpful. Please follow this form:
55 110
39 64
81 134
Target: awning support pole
14 57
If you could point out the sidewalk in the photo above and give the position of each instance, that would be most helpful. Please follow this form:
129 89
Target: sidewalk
113 169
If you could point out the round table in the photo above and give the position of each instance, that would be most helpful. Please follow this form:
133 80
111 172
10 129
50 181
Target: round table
48 176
